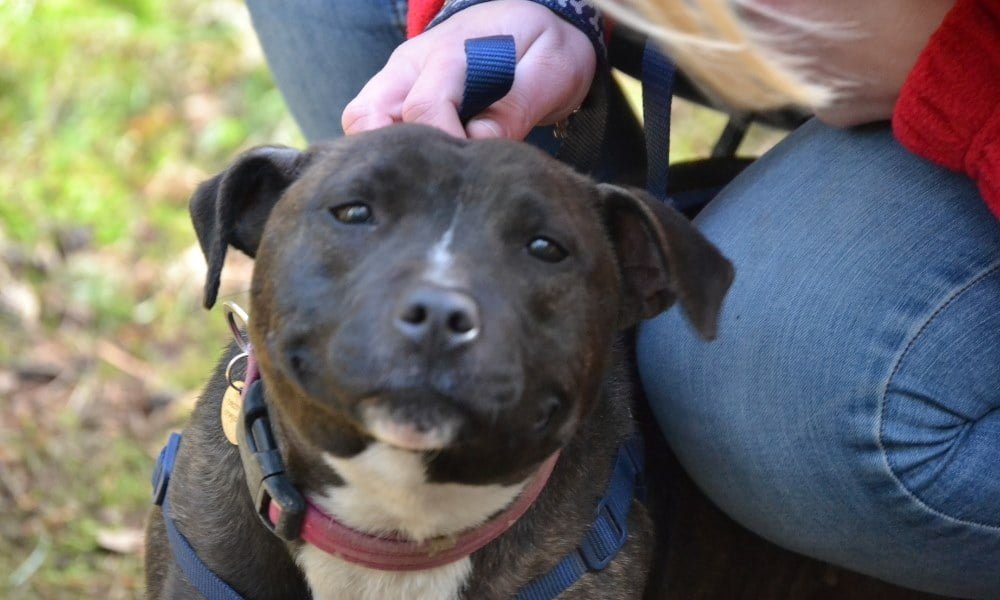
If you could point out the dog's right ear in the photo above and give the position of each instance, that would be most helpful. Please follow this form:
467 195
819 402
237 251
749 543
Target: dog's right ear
232 207
663 258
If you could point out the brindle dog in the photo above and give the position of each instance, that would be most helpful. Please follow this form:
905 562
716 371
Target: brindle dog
433 318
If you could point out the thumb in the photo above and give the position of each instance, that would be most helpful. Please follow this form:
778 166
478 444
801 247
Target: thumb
550 84
508 120
511 117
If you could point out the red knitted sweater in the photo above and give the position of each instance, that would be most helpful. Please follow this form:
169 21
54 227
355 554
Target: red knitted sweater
420 14
949 108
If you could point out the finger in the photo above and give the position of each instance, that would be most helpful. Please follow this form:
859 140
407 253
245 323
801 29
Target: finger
380 102
437 93
364 118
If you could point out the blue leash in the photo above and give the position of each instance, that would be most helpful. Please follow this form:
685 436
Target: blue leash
608 533
657 93
490 68
489 74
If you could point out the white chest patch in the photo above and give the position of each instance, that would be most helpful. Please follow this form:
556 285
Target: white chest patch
334 579
386 491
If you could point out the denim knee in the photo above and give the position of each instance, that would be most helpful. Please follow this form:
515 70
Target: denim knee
941 434
321 53
848 409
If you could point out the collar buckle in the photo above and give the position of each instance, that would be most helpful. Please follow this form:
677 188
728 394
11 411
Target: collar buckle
265 470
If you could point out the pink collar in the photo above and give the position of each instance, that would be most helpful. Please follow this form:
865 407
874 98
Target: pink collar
395 553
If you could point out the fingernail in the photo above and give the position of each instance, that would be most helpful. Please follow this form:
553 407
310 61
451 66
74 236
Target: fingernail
483 128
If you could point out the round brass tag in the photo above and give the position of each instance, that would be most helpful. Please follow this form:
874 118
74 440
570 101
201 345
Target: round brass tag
232 404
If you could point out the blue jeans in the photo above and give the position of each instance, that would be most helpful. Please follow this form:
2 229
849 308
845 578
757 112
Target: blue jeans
322 52
850 409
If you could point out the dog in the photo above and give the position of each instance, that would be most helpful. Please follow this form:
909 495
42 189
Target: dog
437 325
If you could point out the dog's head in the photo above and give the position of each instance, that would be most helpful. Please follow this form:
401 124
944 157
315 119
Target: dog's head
445 296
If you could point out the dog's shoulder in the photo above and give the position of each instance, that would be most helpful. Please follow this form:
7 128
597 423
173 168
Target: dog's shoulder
564 512
210 506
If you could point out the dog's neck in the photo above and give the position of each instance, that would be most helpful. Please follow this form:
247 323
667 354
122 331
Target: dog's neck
311 471
384 491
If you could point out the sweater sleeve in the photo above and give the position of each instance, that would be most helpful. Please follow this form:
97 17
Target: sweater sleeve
420 14
424 14
949 107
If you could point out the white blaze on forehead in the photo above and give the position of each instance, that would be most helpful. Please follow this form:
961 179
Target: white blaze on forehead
441 267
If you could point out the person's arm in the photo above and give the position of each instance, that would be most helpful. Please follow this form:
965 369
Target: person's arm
424 78
949 107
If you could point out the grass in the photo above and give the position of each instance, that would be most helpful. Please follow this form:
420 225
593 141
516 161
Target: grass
110 113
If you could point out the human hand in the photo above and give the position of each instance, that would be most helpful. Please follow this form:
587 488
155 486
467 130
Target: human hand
424 79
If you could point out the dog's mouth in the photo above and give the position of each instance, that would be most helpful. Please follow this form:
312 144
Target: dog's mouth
409 423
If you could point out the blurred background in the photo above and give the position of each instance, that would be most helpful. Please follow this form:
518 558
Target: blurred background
111 112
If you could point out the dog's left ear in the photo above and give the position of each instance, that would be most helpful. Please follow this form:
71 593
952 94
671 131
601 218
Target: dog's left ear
663 258
232 207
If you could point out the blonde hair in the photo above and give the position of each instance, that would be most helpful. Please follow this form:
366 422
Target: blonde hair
734 63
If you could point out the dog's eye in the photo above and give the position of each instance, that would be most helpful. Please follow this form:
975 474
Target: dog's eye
545 249
353 214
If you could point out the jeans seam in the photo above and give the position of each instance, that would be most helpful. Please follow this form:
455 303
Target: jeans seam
883 401
397 10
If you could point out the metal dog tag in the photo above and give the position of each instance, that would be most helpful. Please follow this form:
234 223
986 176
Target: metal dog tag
232 405
232 400
238 321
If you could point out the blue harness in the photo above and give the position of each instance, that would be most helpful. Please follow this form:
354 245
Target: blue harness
602 542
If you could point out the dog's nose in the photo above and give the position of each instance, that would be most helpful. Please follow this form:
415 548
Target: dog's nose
440 317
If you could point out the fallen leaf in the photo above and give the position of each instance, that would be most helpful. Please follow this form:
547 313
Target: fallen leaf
121 541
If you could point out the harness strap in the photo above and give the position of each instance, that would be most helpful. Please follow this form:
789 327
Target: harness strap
201 577
606 536
601 543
